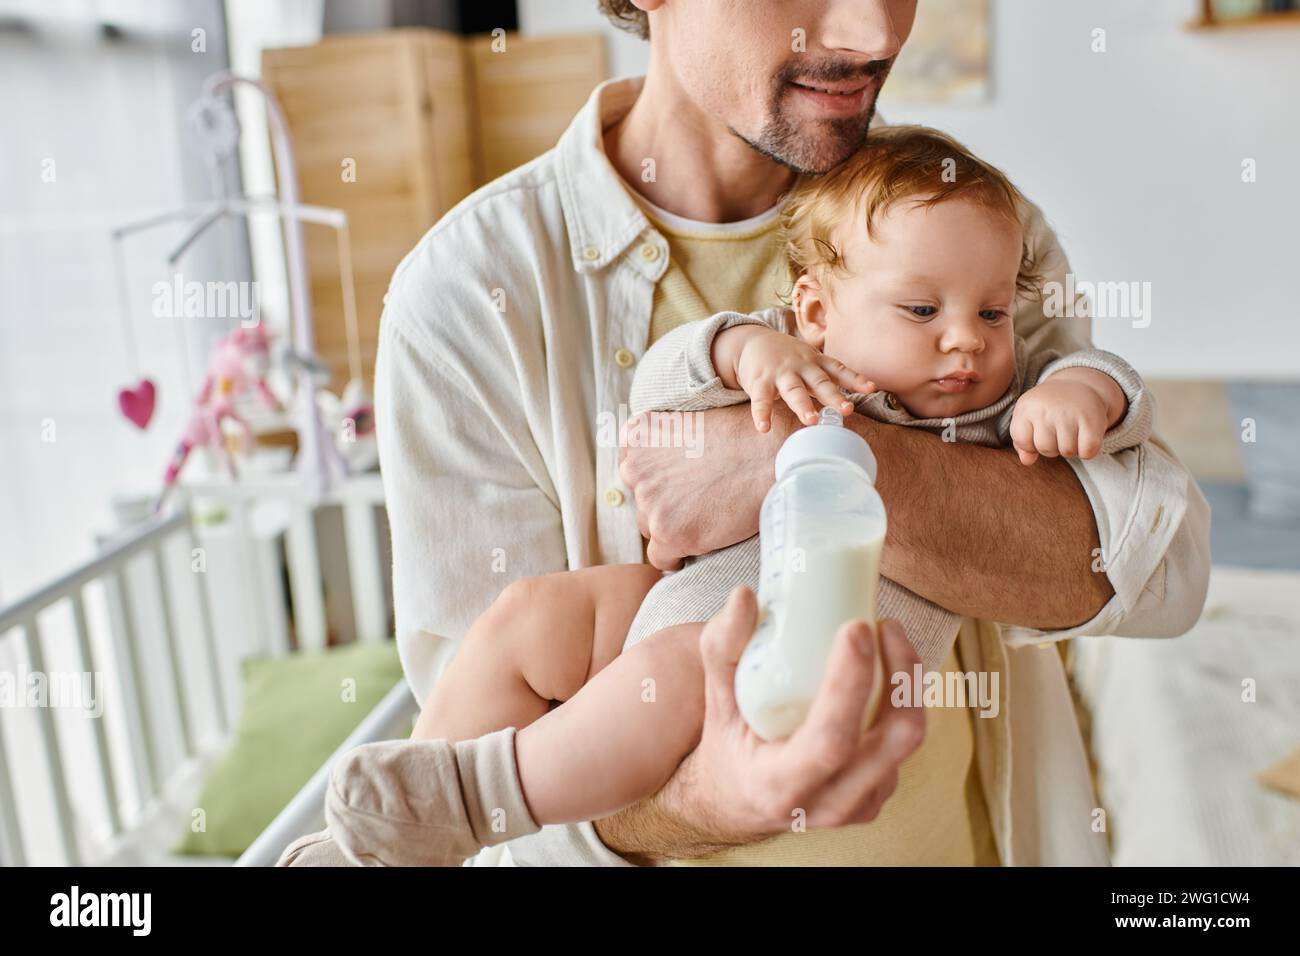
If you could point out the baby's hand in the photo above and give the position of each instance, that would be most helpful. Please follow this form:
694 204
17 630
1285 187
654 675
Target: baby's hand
1066 415
767 363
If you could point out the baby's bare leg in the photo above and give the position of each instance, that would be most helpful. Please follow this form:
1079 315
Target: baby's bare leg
540 641
622 735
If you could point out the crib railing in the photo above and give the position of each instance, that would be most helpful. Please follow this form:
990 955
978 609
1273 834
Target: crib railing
391 717
357 497
110 568
253 583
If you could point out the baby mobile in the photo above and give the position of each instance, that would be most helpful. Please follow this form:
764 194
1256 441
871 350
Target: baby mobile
241 361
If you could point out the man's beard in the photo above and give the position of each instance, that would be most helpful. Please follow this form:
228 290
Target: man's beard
787 141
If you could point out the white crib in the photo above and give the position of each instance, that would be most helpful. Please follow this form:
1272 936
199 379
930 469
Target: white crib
116 789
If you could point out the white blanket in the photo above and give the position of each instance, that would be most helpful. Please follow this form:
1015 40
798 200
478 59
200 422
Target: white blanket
1179 748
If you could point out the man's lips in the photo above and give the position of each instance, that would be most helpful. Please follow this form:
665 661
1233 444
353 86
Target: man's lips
840 98
836 86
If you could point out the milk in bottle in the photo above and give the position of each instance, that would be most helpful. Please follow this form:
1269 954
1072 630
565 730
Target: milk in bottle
822 528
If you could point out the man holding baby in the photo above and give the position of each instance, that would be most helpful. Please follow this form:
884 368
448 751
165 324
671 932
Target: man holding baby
520 320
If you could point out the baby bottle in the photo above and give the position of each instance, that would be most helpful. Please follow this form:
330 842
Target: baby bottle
822 529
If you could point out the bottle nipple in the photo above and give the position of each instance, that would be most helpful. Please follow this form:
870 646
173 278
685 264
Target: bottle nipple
831 416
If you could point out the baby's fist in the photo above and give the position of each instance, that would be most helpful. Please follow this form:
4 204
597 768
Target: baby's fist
1061 417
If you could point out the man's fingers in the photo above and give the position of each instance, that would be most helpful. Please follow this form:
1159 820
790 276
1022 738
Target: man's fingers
835 718
890 741
897 650
642 517
868 807
904 725
877 798
722 642
662 558
858 792
626 429
867 774
896 732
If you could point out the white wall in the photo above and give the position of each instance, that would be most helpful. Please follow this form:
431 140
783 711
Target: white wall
1135 156
628 56
109 115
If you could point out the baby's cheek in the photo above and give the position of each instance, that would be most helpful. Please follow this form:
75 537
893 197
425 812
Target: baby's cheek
1000 375
881 365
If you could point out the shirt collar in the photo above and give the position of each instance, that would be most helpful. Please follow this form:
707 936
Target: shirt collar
602 217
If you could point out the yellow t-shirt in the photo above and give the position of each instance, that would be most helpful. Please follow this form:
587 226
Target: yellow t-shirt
735 266
937 817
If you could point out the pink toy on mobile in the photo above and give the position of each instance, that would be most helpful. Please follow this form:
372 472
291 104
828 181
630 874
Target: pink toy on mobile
239 362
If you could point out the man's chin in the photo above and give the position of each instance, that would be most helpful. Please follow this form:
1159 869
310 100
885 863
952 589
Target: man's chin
836 149
813 145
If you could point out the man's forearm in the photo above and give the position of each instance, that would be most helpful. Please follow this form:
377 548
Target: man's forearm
647 834
652 831
975 531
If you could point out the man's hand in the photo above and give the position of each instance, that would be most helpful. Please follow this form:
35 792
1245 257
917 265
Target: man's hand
1066 415
689 506
1029 564
735 788
768 365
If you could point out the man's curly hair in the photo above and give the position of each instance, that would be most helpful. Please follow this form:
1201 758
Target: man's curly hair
625 15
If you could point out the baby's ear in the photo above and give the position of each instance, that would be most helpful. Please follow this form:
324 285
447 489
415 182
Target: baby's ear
808 301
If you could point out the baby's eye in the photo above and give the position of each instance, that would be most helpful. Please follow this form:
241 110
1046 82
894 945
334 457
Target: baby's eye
922 311
992 315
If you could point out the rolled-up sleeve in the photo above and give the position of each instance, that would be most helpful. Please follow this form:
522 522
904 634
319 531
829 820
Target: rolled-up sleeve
1153 523
677 373
1135 426
1154 527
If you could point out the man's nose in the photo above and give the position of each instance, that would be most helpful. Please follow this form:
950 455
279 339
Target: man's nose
874 29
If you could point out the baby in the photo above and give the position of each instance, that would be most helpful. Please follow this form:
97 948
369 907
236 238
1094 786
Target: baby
909 260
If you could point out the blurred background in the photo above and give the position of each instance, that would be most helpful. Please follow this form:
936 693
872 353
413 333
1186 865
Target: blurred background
1161 139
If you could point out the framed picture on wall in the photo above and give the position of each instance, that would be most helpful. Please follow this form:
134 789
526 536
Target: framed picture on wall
1237 13
946 59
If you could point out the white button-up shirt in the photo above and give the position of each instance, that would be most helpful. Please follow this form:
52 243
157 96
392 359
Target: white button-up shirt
507 349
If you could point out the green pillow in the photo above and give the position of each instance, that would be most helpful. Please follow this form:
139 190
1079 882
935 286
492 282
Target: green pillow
297 710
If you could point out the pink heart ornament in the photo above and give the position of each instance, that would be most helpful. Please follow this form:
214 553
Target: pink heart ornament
137 403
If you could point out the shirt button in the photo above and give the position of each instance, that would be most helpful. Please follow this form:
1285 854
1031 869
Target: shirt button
624 359
649 252
591 253
892 401
613 497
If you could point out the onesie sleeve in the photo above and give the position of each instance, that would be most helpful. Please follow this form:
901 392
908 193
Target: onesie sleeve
1131 430
677 372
